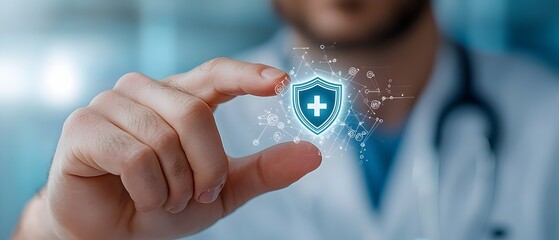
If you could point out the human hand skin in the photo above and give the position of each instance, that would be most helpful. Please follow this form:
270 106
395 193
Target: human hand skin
145 159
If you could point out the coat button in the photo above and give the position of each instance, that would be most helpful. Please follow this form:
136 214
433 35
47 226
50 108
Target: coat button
499 232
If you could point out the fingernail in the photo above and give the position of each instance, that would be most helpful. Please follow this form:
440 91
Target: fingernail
210 196
177 208
272 73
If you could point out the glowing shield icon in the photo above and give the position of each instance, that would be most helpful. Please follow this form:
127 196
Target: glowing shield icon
317 103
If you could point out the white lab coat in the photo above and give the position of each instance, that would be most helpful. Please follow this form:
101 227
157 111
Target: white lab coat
332 202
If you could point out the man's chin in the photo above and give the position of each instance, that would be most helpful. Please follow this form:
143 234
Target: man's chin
343 39
346 35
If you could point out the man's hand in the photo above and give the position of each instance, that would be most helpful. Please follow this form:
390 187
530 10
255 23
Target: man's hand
145 160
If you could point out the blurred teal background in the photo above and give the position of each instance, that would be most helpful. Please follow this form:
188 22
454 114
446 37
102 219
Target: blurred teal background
55 55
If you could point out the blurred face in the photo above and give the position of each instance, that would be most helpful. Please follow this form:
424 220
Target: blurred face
351 22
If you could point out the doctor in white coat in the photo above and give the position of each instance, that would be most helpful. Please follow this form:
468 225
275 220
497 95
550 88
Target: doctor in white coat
462 189
485 169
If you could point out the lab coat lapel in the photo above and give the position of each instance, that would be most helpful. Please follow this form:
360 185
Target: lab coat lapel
411 188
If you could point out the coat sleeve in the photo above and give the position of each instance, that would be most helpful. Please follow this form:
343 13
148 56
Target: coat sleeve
550 207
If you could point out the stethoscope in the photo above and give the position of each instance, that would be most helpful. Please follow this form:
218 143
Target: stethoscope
466 96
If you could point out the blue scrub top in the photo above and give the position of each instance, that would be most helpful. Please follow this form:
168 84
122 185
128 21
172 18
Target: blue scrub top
379 156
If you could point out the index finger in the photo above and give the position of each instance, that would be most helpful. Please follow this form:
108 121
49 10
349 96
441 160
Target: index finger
221 79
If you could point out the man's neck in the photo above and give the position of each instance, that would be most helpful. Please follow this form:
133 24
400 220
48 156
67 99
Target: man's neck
411 60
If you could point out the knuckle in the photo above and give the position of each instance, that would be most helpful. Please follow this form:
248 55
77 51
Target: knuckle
129 79
215 172
166 137
194 108
139 163
103 97
142 120
172 89
259 67
138 159
251 68
77 115
179 168
111 141
79 118
210 65
155 200
180 192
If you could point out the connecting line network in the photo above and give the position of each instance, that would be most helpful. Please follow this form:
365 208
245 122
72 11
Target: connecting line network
366 90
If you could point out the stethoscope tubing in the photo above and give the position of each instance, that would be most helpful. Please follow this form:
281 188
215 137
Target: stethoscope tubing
468 97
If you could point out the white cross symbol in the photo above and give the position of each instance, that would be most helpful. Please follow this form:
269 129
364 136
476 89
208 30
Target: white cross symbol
317 106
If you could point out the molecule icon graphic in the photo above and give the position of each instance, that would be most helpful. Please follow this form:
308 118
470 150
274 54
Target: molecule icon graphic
279 89
272 119
353 71
375 104
370 74
277 136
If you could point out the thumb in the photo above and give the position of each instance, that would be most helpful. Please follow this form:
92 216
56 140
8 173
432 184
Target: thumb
274 168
